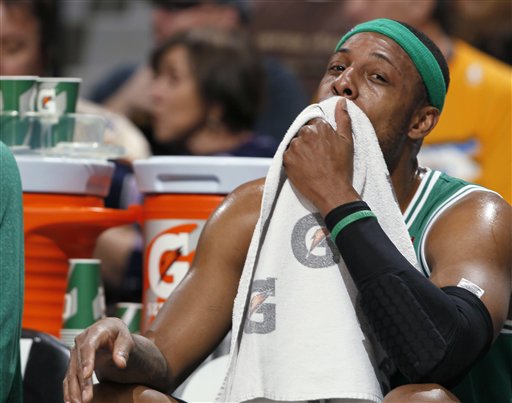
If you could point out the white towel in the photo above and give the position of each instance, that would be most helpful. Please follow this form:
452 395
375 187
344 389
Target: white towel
296 335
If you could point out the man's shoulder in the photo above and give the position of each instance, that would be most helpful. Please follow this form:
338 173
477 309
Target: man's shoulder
475 211
481 199
442 198
245 199
248 194
467 195
474 233
240 210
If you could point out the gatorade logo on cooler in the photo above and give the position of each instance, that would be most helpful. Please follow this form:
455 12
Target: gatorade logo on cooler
168 258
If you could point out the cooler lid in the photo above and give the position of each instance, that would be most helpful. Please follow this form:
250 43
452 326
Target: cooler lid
196 174
65 175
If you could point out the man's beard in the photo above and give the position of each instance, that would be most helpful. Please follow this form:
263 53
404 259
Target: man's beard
393 147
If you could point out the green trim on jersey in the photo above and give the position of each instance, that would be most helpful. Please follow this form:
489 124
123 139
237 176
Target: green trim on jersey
437 192
490 380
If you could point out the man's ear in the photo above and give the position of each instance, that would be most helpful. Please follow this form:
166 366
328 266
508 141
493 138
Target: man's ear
423 121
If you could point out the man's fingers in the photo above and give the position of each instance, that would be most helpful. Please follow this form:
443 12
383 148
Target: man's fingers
75 391
314 121
343 126
105 338
80 372
87 392
315 125
86 353
90 342
71 385
86 368
65 385
65 389
341 116
122 347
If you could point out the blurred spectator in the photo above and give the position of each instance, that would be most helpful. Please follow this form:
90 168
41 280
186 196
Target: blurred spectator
206 94
473 137
126 89
11 274
27 37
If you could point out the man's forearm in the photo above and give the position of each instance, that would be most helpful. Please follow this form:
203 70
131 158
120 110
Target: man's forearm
146 365
431 334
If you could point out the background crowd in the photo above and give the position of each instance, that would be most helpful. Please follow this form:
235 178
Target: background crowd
158 70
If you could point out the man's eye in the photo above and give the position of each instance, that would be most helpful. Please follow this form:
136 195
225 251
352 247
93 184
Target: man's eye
337 67
378 77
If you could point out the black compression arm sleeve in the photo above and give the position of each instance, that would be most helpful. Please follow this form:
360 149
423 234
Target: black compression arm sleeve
431 334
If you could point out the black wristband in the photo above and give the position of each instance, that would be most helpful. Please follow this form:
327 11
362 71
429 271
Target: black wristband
337 214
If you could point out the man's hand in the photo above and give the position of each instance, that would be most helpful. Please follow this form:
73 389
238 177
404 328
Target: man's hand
107 343
319 161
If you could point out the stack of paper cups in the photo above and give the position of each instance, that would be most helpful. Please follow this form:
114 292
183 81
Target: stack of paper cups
130 313
17 97
84 302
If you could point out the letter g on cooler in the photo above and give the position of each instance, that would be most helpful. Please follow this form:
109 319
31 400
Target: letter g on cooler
167 261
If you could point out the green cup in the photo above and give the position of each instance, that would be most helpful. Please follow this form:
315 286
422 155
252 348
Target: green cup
11 128
18 93
84 302
130 313
17 96
57 95
20 131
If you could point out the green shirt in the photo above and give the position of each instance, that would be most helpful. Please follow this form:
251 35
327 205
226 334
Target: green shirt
11 277
490 380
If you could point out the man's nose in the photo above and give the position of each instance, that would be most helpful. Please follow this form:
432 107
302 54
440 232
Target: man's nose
344 85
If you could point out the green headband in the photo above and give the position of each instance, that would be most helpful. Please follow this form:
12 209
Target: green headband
421 56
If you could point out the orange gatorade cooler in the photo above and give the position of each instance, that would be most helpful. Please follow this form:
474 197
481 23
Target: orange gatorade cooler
63 215
180 194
